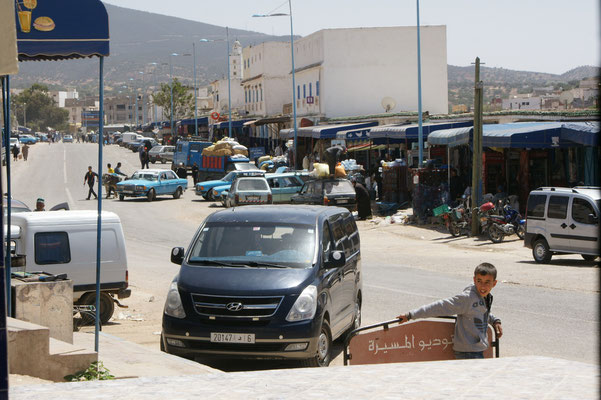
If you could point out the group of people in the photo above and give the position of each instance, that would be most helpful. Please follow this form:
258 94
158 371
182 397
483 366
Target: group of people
91 176
15 150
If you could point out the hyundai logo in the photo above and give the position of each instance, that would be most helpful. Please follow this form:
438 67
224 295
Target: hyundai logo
234 306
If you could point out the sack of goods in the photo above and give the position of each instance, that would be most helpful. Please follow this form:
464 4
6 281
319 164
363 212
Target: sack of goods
208 151
263 158
225 147
339 171
321 170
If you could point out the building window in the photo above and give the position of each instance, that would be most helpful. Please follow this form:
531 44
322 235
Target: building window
310 90
298 92
261 93
317 88
304 91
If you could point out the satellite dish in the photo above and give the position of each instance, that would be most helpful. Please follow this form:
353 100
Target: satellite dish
388 104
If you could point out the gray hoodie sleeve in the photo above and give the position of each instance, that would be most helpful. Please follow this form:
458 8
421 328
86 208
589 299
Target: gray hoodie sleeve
492 319
450 306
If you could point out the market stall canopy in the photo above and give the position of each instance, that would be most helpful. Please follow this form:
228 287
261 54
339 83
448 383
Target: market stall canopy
235 124
9 62
61 29
324 131
354 134
190 121
534 135
411 131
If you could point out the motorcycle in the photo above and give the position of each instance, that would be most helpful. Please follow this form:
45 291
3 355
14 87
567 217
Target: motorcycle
499 226
459 220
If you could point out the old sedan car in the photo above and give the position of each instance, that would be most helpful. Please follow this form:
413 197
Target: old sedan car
67 139
205 189
161 154
150 183
248 190
285 185
328 192
29 139
269 281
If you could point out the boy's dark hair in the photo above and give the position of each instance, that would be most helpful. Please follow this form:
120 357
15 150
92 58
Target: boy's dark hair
486 269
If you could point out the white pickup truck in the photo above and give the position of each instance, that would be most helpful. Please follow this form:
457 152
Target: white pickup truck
59 242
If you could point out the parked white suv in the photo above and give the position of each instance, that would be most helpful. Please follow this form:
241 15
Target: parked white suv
563 221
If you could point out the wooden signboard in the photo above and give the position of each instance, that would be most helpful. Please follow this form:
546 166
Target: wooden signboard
412 341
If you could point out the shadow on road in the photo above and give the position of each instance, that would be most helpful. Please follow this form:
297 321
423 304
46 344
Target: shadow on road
566 263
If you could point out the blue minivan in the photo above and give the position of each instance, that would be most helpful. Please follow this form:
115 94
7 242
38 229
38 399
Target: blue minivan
269 281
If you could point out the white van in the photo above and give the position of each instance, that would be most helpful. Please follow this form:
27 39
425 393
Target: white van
563 221
129 137
59 242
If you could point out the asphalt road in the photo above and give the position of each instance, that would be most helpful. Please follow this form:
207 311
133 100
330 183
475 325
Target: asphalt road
549 310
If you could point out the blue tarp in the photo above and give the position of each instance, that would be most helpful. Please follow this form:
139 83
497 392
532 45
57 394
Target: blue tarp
235 124
325 131
411 131
535 135
62 29
190 121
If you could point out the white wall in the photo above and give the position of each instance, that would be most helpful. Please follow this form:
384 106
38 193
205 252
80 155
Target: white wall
220 88
522 103
267 59
361 66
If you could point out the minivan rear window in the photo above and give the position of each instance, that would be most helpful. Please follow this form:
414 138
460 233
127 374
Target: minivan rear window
558 207
536 206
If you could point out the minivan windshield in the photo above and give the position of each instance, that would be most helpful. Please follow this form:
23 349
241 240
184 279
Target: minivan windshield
255 244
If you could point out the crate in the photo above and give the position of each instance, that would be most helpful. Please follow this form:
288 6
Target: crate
441 210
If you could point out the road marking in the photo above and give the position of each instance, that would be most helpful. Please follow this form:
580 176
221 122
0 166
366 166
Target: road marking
65 165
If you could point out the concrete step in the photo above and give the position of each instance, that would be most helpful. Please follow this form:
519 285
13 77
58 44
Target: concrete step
32 352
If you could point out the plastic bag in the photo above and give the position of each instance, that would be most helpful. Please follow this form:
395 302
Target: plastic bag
339 171
321 170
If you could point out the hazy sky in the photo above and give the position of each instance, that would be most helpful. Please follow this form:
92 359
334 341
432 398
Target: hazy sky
531 35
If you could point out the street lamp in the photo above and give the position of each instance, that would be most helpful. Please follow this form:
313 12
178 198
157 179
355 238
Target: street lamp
293 75
25 115
171 84
154 80
229 83
420 133
143 93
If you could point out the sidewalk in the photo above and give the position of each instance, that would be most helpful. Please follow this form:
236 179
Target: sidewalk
501 378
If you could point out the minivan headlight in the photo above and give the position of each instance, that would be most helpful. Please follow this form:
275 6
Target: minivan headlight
305 306
173 304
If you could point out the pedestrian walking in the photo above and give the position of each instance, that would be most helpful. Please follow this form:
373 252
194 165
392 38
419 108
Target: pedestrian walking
472 308
25 151
15 151
363 200
195 173
90 178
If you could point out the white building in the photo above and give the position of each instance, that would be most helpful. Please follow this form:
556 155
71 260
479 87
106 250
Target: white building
267 82
204 97
349 72
522 103
235 60
220 96
59 97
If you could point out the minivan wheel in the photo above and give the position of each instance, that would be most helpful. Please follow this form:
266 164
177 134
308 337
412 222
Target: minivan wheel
107 307
540 252
324 348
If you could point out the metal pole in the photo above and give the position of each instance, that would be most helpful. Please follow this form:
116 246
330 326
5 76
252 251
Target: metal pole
229 85
477 148
7 154
25 115
420 133
3 282
171 84
99 224
195 95
293 90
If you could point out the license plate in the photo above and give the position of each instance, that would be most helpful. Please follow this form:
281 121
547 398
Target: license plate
252 198
218 337
342 201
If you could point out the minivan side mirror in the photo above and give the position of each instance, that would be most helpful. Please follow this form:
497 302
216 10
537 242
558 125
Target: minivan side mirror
592 219
177 255
336 259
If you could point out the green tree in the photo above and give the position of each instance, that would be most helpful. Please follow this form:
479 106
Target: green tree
183 100
39 108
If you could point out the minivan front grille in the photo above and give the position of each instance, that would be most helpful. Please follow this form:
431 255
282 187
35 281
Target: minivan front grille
236 307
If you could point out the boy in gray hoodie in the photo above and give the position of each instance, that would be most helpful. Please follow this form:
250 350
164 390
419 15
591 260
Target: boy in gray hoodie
472 308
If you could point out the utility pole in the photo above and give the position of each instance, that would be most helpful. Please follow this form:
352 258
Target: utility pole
477 149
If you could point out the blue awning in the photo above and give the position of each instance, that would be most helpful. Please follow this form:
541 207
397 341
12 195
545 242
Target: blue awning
235 124
324 131
535 135
62 29
411 131
190 121
354 134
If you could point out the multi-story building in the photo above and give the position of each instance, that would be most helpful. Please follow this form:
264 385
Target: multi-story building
59 97
77 106
362 71
522 103
267 80
122 110
219 95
